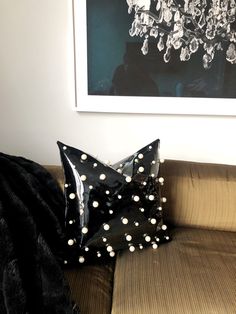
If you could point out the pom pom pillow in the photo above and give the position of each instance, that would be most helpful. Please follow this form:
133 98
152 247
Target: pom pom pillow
112 208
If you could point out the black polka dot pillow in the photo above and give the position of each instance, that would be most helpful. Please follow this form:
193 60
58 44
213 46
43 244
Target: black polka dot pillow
112 208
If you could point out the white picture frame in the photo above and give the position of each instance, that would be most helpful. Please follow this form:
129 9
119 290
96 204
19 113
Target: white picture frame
130 104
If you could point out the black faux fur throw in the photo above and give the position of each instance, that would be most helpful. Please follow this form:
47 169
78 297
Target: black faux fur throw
31 240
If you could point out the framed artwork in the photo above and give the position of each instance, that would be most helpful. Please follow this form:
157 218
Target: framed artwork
114 72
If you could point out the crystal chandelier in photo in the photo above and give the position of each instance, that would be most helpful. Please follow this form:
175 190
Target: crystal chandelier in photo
186 25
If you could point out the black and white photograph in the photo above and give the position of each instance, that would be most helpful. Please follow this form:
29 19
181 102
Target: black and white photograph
157 48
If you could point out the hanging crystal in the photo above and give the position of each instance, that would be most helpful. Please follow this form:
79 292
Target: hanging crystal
202 20
191 9
144 48
160 44
186 5
187 25
169 41
231 54
130 6
219 46
177 44
210 33
154 32
184 55
232 37
177 16
167 55
167 15
193 46
209 48
158 6
207 61
144 29
132 30
138 29
160 17
181 32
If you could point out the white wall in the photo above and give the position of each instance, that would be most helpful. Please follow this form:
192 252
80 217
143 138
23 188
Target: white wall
37 97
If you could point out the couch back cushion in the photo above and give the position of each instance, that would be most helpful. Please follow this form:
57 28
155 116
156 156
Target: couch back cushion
57 173
200 194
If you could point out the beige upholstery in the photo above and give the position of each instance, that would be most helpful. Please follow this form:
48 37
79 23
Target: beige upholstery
91 285
193 274
57 173
200 195
91 288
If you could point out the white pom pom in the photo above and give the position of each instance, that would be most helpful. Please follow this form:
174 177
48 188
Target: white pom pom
84 230
106 227
81 259
84 156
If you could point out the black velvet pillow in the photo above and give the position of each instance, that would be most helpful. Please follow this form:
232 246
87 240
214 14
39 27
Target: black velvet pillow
112 208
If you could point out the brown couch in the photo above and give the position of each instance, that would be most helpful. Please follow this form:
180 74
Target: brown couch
194 273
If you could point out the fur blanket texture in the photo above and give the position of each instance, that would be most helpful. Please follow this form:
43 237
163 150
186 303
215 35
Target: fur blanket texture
32 245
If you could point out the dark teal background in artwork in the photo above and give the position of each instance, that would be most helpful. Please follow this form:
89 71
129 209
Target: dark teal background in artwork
107 32
116 65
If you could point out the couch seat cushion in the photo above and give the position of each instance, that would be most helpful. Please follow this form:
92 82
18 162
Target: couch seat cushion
91 287
195 273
